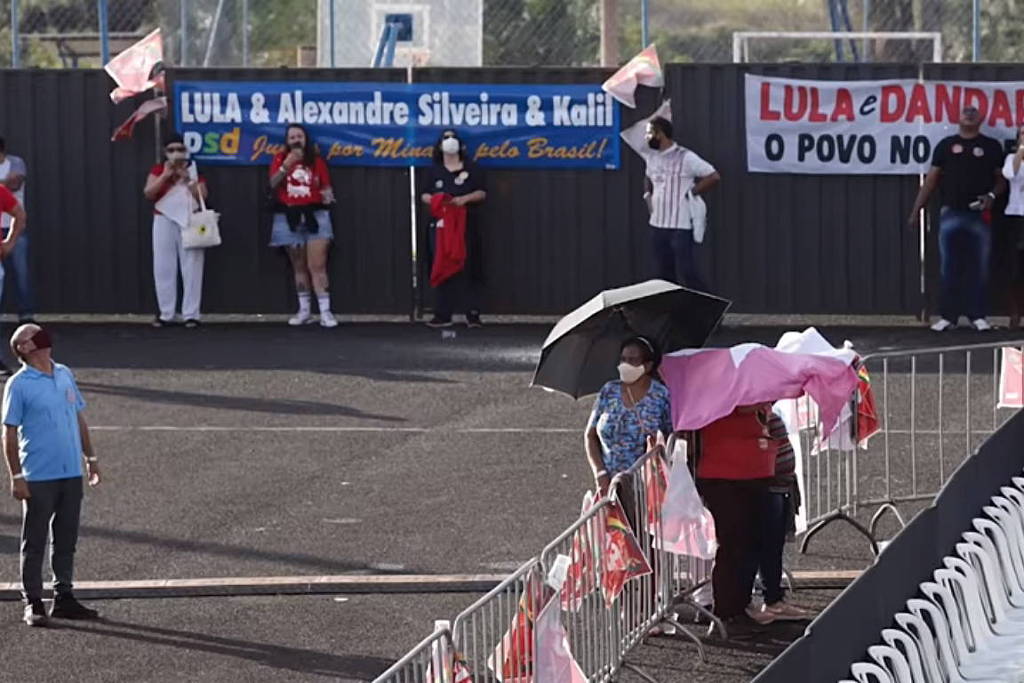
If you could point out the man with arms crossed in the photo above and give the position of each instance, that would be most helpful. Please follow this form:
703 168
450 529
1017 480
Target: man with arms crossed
45 437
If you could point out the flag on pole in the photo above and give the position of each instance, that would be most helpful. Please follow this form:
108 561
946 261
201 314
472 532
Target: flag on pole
644 69
512 659
138 68
124 131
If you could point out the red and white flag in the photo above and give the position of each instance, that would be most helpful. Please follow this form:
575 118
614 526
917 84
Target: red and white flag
1011 379
135 70
512 659
554 660
621 555
124 131
581 577
644 69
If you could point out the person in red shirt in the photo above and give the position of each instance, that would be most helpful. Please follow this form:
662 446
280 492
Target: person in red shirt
301 187
175 195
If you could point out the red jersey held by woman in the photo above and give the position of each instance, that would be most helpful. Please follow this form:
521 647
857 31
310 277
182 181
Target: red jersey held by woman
303 185
738 446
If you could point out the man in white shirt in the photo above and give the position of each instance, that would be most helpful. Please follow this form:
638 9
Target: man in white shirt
12 176
676 179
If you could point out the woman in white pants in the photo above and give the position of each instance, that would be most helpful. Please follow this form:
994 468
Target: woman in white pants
175 195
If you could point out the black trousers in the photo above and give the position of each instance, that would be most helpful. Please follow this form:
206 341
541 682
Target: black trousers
53 506
737 507
460 293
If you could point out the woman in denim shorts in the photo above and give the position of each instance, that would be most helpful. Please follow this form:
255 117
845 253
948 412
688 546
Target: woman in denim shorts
301 187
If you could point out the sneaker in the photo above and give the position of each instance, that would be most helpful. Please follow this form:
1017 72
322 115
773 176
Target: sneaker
981 325
438 321
328 320
66 607
160 322
192 323
35 613
761 616
740 627
941 325
300 319
473 319
783 611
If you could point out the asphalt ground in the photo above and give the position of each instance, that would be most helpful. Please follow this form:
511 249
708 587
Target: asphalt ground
258 450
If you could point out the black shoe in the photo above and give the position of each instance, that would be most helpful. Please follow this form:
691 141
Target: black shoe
473 319
160 322
192 323
438 321
740 627
26 320
66 607
35 613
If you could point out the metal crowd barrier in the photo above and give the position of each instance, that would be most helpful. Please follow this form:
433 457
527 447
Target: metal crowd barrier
935 406
494 639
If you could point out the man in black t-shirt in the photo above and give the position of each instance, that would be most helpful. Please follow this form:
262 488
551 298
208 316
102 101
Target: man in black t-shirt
966 169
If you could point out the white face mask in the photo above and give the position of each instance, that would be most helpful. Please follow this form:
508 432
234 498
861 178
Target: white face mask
630 373
450 146
177 156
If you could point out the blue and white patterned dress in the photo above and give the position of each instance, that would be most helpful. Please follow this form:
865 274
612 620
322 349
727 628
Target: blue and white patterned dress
623 431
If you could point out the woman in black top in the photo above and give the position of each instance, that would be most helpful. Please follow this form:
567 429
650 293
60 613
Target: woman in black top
452 174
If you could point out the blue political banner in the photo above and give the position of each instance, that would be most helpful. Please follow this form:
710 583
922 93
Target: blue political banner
397 124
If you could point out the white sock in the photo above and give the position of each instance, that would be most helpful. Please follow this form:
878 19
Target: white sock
324 301
303 304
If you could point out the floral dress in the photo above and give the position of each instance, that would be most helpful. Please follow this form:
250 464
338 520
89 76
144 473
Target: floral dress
623 431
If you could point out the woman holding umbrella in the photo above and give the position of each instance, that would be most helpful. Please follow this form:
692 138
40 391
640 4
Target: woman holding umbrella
626 412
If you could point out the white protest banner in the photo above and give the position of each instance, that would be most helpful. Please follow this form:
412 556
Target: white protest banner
867 127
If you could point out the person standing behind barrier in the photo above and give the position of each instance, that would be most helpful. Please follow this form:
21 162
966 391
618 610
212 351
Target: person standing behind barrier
465 183
966 169
626 412
1014 174
301 187
45 440
12 208
780 506
166 180
676 178
12 176
735 467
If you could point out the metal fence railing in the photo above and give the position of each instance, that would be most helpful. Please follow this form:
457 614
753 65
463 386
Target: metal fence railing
494 639
935 406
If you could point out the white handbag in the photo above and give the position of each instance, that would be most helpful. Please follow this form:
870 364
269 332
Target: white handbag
203 228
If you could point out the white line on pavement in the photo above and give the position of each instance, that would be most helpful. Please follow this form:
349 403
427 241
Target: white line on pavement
292 428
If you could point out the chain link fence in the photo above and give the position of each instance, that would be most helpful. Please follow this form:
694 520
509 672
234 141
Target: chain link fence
347 33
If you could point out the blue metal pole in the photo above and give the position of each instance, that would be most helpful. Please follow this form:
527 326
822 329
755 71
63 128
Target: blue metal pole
379 56
101 6
645 34
15 36
389 55
183 57
330 4
976 30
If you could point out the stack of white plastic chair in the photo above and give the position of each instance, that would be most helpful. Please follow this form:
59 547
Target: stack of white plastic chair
968 624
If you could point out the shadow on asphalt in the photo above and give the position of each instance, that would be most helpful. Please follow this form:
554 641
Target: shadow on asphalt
275 656
244 403
325 564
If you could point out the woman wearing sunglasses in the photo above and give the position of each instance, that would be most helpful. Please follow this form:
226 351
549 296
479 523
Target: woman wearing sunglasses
175 192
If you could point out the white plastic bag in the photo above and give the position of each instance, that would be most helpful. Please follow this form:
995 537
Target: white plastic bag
687 526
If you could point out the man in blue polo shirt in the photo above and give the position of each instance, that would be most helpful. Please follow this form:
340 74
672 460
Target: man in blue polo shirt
45 437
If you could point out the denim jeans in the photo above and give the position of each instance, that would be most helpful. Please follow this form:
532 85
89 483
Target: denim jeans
17 265
674 260
965 246
771 543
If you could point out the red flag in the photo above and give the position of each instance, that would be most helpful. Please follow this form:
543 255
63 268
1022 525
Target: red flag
137 69
512 660
644 69
656 483
124 131
622 558
868 423
581 578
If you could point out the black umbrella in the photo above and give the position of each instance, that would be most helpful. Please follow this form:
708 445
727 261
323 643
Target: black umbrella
582 351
